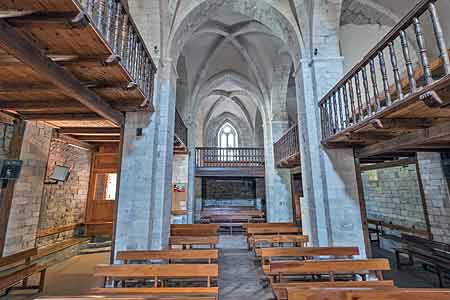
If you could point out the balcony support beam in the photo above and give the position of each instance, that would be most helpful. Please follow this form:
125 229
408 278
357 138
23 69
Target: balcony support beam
12 41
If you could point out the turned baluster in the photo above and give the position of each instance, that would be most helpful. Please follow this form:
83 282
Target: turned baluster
394 64
439 37
330 110
129 47
124 44
117 35
373 77
366 91
341 110
109 17
90 7
359 97
352 100
335 113
346 103
423 51
100 17
409 64
384 76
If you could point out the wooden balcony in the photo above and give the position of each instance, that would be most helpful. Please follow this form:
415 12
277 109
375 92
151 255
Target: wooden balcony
287 149
73 64
381 110
181 135
231 162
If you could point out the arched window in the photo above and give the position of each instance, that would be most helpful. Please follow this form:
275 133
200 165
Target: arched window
227 136
227 139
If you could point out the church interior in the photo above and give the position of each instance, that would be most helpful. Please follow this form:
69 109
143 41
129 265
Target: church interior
224 149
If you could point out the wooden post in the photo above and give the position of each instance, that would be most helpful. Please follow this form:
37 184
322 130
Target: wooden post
424 201
6 195
362 206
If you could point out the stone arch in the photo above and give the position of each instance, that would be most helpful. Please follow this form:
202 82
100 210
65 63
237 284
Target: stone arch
245 88
259 10
211 127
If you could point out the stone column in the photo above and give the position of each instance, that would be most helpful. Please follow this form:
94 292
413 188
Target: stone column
331 213
191 173
145 192
278 181
437 196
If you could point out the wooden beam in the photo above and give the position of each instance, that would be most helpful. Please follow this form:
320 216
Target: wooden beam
98 138
72 141
401 124
7 60
90 130
388 164
13 13
36 106
370 136
94 85
59 20
407 141
63 117
13 42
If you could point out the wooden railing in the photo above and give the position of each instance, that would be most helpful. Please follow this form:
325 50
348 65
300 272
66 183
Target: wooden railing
287 146
210 157
113 21
357 95
181 130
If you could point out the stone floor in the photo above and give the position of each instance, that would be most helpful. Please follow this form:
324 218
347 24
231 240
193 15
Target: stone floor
239 275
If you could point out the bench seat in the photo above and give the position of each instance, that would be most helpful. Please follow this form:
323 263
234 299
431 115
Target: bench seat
10 280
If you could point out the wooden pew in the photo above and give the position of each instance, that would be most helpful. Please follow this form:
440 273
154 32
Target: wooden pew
280 289
159 274
172 255
190 241
257 241
194 229
330 268
270 230
23 269
268 254
369 294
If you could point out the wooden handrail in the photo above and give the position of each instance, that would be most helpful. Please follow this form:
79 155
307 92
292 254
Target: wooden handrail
245 157
361 94
288 145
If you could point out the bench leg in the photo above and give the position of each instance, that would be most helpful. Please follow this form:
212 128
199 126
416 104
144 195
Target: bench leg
397 259
42 280
439 274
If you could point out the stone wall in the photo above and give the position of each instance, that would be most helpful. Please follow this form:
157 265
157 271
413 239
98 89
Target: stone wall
436 194
65 202
393 195
24 214
6 134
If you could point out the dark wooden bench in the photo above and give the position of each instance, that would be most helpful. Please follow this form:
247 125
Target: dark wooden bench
368 294
171 255
156 277
280 290
270 255
435 256
330 268
258 242
194 229
188 242
21 270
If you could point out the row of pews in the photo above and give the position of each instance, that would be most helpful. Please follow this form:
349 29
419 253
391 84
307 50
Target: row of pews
295 271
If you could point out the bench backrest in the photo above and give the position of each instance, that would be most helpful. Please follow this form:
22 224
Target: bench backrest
24 256
112 297
194 240
362 266
281 229
194 229
207 254
370 294
268 225
149 271
269 253
280 238
281 289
